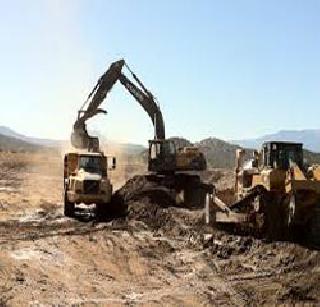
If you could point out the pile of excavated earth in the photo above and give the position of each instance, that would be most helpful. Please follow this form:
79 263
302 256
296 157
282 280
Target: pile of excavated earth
262 271
153 205
156 254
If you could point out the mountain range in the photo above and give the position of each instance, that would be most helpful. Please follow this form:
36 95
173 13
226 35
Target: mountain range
8 143
219 153
11 140
310 139
6 131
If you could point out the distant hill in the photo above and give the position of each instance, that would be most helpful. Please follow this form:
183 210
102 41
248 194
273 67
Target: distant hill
38 141
9 132
310 139
115 146
219 153
9 136
222 154
181 142
12 144
311 157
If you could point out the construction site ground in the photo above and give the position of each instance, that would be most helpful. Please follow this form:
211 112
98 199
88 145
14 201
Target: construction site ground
158 254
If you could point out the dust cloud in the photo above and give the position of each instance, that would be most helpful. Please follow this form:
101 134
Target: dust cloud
127 166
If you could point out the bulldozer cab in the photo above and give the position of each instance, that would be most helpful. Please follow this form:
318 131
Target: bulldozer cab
162 156
282 155
269 168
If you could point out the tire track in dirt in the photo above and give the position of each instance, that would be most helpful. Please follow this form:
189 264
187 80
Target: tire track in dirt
25 231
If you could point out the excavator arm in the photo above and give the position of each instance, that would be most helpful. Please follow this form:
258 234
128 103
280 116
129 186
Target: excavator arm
146 100
80 137
162 152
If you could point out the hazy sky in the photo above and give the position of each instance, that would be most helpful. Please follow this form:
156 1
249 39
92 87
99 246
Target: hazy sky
230 69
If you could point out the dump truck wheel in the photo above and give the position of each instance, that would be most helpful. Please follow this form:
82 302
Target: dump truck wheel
101 210
69 209
118 205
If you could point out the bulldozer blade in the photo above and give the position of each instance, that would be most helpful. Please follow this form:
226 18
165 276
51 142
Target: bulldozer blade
232 217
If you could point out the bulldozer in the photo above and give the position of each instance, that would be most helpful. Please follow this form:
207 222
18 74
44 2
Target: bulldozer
276 195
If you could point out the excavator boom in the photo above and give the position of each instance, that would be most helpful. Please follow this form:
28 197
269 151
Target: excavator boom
146 100
163 157
80 137
167 165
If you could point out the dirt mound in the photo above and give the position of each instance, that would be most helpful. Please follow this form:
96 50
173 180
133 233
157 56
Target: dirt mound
150 201
226 195
144 201
142 188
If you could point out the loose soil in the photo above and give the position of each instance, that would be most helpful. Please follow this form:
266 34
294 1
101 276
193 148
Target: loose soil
158 254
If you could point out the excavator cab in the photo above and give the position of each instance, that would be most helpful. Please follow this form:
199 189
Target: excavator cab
162 156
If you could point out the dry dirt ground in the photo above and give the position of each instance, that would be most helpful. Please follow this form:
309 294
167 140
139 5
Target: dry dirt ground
157 255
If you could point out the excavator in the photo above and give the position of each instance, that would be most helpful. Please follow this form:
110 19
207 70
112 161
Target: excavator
166 163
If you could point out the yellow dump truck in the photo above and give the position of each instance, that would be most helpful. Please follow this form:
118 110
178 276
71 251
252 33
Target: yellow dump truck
86 181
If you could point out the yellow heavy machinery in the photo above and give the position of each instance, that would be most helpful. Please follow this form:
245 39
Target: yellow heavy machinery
167 163
164 157
86 181
276 195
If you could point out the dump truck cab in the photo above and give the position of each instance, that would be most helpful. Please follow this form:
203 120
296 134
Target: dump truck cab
86 180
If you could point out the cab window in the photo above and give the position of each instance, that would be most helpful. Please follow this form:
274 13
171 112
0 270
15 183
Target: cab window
90 164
